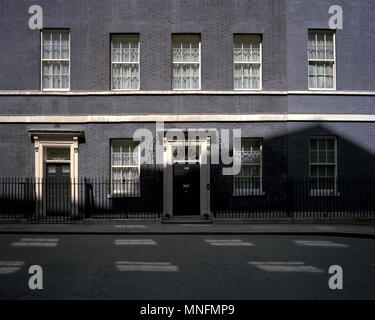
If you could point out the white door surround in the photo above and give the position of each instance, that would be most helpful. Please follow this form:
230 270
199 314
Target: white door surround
55 139
204 163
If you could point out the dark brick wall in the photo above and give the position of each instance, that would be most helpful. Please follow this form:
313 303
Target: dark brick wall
355 150
285 146
355 43
283 24
92 22
94 153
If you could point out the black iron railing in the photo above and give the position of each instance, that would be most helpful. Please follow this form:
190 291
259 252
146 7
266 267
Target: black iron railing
293 198
60 200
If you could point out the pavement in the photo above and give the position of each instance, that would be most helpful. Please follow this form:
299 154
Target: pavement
147 227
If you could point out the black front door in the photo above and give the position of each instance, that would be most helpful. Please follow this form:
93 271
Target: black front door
186 189
58 189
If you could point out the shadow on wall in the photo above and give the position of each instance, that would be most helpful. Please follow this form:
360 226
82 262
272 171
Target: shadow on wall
284 191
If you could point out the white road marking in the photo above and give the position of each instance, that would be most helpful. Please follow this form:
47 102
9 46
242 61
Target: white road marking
135 242
130 226
317 243
325 228
287 266
35 242
265 227
228 243
145 266
7 267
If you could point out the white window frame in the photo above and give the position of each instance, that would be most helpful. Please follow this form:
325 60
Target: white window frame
53 60
249 191
127 193
260 63
323 192
188 63
321 60
124 63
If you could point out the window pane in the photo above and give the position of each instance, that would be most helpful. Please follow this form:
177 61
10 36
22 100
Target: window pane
320 82
312 69
186 55
330 171
65 52
314 171
331 144
247 55
177 52
320 46
195 54
65 82
321 171
312 46
47 52
56 82
329 82
313 144
312 82
322 144
116 55
134 83
47 68
125 57
46 82
313 156
322 157
64 68
237 55
256 55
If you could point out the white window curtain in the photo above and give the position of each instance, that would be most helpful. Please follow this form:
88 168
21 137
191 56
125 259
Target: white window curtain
125 62
125 167
321 54
186 62
247 58
55 59
249 180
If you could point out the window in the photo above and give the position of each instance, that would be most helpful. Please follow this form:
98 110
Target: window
125 167
125 62
249 180
323 165
247 58
186 62
321 52
55 64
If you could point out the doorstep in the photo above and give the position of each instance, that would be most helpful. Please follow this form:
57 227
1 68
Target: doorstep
191 219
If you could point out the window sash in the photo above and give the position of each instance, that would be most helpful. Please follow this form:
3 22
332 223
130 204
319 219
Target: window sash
247 57
186 62
125 66
249 179
321 56
125 168
55 56
323 173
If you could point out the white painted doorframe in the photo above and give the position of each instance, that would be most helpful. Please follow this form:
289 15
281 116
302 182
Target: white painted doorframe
204 163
